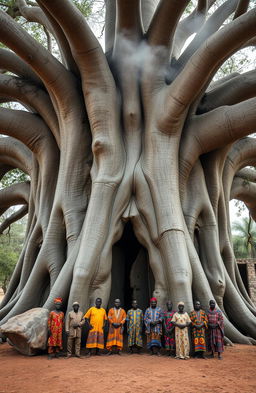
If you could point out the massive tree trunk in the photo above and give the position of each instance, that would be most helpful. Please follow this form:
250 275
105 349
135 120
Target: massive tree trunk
133 156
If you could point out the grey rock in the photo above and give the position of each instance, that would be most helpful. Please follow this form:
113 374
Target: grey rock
27 332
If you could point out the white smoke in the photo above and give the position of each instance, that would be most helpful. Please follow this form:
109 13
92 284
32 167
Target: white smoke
141 56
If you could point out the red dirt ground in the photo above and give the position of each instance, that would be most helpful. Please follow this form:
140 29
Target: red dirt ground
236 373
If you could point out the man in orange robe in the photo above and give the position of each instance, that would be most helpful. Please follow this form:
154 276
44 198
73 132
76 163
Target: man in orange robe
96 318
116 318
55 325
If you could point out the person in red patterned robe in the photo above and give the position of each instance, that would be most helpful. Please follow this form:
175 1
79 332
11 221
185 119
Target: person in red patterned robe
55 326
215 330
169 329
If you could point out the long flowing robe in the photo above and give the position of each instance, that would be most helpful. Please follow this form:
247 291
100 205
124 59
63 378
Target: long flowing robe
153 332
115 335
169 338
134 327
216 335
181 335
97 318
55 325
198 335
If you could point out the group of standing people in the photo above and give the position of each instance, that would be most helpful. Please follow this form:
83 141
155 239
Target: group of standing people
207 329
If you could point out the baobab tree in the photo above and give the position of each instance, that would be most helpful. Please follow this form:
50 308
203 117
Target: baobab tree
133 151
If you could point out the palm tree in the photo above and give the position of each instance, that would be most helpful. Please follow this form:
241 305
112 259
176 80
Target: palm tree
244 238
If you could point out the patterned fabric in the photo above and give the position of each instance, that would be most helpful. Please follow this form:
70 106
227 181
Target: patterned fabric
169 338
216 335
181 335
153 340
115 336
153 332
58 300
97 318
55 325
198 335
134 327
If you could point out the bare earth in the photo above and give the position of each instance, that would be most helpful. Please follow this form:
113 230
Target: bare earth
128 373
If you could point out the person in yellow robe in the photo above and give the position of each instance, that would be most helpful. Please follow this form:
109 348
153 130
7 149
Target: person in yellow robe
96 318
116 318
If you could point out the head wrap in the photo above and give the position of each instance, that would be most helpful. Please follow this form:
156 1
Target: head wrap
181 304
153 299
75 304
58 300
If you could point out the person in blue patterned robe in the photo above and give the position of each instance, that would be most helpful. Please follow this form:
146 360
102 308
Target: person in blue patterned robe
134 321
153 321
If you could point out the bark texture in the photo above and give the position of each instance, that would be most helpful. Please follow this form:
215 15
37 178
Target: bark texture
133 155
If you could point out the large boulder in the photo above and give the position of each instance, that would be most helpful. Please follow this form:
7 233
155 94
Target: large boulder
27 332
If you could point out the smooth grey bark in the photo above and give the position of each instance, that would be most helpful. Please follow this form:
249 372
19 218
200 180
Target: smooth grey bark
111 140
13 218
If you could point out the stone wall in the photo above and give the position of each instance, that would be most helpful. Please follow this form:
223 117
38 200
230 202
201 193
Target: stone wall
251 276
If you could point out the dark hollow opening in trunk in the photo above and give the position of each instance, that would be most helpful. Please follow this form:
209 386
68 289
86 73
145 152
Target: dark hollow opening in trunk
131 275
243 272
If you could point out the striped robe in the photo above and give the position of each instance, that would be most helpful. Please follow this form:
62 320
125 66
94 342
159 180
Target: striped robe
115 336
216 335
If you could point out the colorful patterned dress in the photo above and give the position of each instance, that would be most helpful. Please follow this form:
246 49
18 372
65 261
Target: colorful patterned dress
169 338
115 336
134 327
216 335
55 325
181 335
198 335
97 318
153 332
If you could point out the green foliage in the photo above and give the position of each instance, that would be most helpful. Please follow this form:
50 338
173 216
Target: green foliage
9 6
244 238
10 249
190 7
242 61
8 259
14 176
241 207
85 6
35 29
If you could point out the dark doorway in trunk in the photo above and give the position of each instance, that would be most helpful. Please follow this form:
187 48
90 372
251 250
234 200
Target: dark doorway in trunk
243 272
132 277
